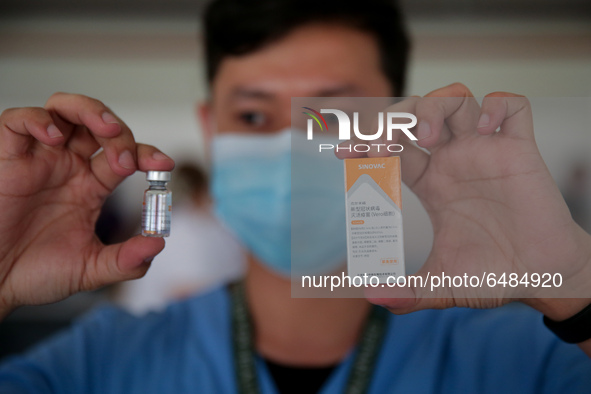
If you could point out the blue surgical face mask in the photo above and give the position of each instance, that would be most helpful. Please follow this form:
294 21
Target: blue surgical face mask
282 199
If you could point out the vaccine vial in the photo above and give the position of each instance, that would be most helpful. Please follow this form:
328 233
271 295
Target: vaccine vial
157 206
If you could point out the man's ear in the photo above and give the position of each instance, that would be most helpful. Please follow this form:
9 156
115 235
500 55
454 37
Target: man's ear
204 113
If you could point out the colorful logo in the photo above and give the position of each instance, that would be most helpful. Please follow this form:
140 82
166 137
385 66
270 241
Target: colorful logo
315 117
387 123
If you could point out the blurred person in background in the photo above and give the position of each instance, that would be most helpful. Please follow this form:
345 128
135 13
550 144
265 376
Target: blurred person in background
253 337
200 253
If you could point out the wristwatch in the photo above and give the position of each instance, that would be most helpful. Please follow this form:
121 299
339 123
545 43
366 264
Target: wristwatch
575 329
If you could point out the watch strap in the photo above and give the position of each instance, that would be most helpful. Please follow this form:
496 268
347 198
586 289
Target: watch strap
575 329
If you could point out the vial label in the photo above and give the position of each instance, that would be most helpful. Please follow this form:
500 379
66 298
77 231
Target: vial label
156 214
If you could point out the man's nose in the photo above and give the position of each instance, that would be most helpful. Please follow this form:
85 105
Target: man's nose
284 118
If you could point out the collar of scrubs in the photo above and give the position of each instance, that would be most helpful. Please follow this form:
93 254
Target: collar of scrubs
244 352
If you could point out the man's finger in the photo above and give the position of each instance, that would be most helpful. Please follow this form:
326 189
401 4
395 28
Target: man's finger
446 113
109 131
82 142
511 112
20 127
124 261
78 109
413 295
149 158
414 163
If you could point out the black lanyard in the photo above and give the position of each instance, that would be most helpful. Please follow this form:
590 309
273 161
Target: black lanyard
363 365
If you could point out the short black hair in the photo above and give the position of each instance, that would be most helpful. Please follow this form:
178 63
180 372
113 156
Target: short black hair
240 27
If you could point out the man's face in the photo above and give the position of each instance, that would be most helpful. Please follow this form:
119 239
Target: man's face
252 93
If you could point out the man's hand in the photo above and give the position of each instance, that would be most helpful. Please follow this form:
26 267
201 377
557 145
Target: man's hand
53 182
493 204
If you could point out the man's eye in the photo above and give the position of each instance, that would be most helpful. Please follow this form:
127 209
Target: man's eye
255 119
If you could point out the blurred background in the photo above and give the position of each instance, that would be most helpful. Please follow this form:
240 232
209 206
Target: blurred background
143 59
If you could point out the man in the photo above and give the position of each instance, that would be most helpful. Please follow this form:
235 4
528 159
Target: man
260 55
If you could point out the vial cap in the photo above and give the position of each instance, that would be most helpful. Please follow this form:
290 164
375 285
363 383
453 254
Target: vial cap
161 176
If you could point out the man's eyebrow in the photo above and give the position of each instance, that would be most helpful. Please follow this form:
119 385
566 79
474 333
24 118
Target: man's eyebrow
260 94
248 93
338 91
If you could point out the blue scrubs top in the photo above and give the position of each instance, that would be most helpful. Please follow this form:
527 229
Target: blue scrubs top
188 349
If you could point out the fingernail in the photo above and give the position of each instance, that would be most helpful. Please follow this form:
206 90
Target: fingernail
126 160
53 131
109 119
148 260
160 156
424 130
483 121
